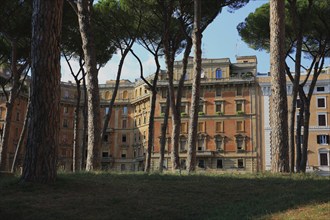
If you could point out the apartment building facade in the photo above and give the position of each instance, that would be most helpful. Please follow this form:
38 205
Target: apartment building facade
229 128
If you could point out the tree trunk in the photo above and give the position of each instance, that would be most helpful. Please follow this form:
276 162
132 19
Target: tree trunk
304 152
298 139
192 134
279 107
22 136
85 128
76 154
163 134
151 117
114 94
43 129
94 119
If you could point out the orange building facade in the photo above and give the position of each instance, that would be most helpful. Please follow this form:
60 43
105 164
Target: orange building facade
233 126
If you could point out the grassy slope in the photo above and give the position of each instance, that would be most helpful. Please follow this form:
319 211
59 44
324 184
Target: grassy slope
140 196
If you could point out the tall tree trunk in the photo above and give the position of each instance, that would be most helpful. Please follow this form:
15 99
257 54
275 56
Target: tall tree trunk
195 96
279 107
114 94
22 136
76 154
85 128
151 117
304 152
163 134
94 119
298 135
41 150
294 95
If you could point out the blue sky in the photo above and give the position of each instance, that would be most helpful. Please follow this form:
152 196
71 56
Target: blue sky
220 40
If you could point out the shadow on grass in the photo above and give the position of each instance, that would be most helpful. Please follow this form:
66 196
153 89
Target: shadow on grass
141 196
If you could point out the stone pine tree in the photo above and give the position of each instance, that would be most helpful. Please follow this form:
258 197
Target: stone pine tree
43 129
279 107
307 35
84 9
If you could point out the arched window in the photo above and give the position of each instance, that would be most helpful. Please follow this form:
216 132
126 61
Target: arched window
125 95
107 95
218 74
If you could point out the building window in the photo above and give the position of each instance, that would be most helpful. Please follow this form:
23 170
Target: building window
183 143
324 156
240 142
201 107
201 143
125 95
320 89
321 102
183 128
66 109
123 153
218 74
219 108
323 159
65 123
123 138
218 91
239 91
105 154
106 110
124 123
218 126
323 139
240 163
164 93
162 109
219 164
240 106
322 120
219 142
125 110
183 108
201 127
201 163
144 120
240 126
106 138
66 94
107 95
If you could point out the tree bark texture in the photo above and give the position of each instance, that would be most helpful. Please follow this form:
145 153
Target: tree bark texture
152 116
93 161
195 96
163 134
279 107
43 129
77 151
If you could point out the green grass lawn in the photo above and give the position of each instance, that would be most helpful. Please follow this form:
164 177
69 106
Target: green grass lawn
155 196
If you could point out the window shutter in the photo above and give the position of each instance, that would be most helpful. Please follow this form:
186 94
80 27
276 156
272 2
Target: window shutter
327 139
318 139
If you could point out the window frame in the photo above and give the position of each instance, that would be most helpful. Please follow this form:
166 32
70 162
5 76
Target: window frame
325 119
321 98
